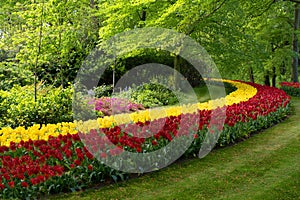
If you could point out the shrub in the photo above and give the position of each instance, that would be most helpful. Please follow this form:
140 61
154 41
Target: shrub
11 74
154 94
151 95
103 91
18 108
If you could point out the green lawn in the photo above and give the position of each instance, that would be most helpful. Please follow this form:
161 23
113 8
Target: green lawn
203 94
266 166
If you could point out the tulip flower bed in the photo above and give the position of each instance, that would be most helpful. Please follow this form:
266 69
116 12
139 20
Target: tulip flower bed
33 165
292 89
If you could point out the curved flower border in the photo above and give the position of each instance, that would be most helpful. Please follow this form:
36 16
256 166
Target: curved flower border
62 163
36 132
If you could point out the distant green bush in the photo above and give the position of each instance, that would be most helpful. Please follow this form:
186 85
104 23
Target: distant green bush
18 108
11 74
103 91
151 95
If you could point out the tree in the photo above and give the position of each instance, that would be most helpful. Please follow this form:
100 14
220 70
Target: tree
295 43
70 31
294 71
250 36
273 30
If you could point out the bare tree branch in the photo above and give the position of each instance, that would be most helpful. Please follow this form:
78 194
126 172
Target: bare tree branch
38 52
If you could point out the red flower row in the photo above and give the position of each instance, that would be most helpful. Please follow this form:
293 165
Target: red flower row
289 84
40 160
132 136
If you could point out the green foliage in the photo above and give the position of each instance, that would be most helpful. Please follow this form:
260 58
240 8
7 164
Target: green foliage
11 74
295 92
151 95
68 31
18 108
238 35
103 91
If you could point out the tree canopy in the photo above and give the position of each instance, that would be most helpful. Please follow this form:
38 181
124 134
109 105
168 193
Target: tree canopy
248 40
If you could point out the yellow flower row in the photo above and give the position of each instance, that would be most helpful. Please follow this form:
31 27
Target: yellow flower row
35 132
243 93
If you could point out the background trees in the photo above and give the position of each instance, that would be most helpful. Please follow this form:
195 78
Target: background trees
56 34
249 40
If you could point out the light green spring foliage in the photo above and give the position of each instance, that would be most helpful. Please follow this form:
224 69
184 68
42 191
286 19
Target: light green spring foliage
237 34
67 31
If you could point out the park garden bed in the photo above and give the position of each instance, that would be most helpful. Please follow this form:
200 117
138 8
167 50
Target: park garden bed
52 158
292 89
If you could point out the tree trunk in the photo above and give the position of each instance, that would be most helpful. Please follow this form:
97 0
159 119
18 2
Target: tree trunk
92 3
274 77
267 80
94 18
60 63
251 75
282 68
114 73
38 53
144 14
295 44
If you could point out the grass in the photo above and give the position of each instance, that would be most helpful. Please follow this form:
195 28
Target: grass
266 166
203 95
